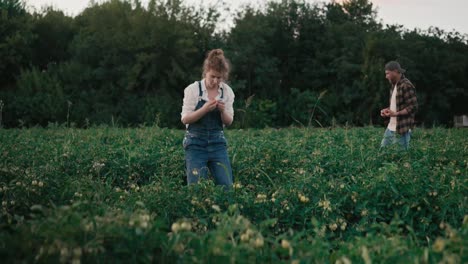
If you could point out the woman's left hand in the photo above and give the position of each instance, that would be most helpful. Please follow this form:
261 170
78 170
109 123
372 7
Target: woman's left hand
221 106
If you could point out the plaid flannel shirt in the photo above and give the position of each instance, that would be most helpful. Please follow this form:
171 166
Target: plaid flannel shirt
405 99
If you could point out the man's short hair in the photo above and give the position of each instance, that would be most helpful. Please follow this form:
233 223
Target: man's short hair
394 66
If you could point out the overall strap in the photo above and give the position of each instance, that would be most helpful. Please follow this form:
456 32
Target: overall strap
200 92
222 92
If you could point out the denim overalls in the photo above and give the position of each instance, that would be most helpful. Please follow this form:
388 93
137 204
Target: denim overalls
206 148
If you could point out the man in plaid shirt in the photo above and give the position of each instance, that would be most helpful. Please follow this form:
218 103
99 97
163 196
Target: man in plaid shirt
403 107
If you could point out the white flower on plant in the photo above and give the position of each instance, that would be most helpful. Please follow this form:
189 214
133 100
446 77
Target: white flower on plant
261 198
325 204
244 237
303 198
343 226
145 217
285 244
259 242
195 202
144 225
97 166
216 208
186 226
343 260
364 212
175 227
318 169
439 245
250 232
452 184
442 225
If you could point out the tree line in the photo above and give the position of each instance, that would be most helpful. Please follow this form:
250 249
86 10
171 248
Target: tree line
293 63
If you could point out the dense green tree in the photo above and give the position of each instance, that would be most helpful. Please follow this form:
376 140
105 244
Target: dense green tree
16 38
293 63
54 32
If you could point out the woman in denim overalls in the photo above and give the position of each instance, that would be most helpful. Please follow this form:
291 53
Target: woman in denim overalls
208 107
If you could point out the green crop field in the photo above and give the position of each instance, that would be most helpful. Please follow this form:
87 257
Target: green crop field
300 196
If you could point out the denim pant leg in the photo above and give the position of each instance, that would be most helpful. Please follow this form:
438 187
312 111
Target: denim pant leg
388 138
405 140
196 160
220 167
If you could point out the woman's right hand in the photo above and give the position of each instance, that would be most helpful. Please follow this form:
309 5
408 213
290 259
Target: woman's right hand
210 105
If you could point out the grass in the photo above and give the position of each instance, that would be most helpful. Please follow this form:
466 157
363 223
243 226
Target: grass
300 196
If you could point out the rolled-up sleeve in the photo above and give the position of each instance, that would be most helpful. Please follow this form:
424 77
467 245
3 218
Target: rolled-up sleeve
190 100
229 101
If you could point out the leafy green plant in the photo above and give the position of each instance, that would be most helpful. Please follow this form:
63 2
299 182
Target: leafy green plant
300 195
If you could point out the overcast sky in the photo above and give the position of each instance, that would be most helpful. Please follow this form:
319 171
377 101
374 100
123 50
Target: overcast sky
446 14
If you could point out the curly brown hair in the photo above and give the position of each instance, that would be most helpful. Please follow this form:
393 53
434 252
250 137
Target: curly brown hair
216 61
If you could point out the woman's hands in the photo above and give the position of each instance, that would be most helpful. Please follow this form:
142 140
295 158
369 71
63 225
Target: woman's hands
212 105
206 108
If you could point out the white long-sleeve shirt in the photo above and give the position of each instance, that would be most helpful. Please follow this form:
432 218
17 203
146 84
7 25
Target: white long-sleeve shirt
191 98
